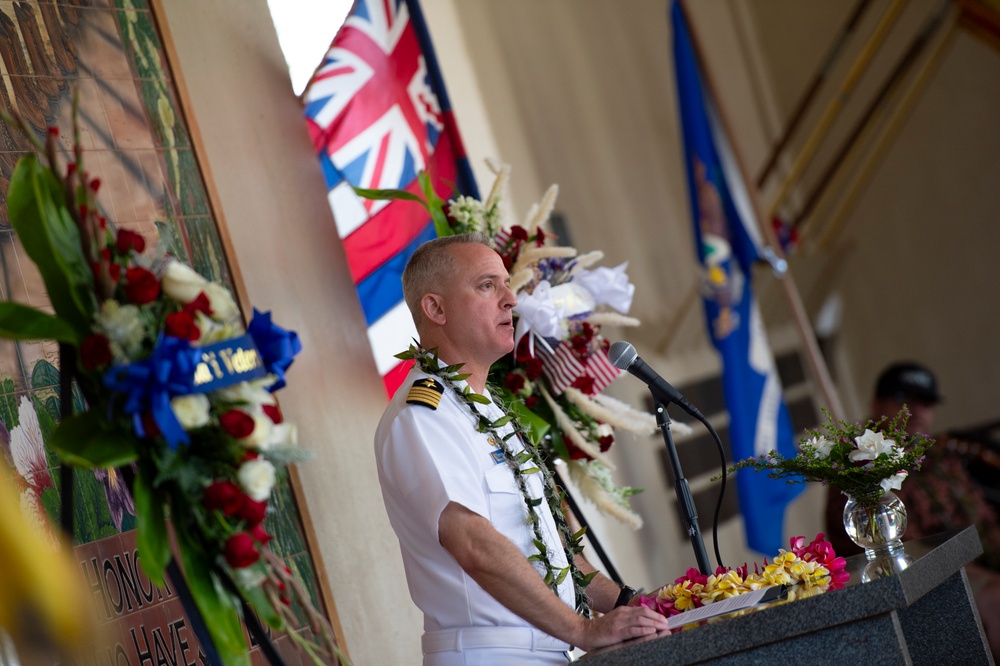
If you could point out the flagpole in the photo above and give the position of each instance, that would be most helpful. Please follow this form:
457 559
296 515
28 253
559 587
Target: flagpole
810 95
863 175
861 128
836 104
820 373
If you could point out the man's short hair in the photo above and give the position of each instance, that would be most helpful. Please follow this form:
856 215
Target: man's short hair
432 265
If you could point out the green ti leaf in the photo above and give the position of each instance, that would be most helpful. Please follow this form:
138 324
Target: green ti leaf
22 322
258 599
502 421
435 205
216 605
534 426
390 195
46 229
90 440
151 529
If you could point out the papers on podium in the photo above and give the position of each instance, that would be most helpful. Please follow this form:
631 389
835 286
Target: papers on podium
730 605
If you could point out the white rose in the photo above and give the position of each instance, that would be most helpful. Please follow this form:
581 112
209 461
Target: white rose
221 301
215 332
260 438
283 434
191 410
257 478
822 445
181 282
605 430
894 482
870 445
250 393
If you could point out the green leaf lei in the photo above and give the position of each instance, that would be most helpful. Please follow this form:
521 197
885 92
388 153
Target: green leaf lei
428 362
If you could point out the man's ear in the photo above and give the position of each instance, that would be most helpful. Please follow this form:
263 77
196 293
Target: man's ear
432 305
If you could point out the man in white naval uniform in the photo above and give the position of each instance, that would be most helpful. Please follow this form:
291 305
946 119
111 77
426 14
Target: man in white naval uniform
454 504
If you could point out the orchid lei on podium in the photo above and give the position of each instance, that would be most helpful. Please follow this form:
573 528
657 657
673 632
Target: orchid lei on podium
553 381
179 398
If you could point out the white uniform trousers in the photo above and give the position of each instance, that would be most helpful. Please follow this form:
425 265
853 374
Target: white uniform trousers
493 646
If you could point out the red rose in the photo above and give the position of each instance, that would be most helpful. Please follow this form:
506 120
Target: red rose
240 551
273 412
225 496
237 423
129 240
576 453
251 511
539 237
141 286
199 304
181 325
531 401
514 382
258 533
584 383
517 232
606 442
533 368
95 352
149 425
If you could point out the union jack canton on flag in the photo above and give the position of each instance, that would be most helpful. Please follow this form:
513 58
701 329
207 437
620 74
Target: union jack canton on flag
378 115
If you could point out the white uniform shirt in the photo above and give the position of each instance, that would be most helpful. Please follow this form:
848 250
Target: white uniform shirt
429 457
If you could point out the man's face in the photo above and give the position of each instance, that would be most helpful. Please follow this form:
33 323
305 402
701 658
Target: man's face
478 303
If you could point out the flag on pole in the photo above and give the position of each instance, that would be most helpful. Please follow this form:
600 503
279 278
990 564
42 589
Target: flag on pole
378 115
728 241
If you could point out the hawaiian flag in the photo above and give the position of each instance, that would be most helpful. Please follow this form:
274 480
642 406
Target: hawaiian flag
379 115
728 244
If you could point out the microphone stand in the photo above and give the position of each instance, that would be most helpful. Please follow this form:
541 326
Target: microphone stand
682 490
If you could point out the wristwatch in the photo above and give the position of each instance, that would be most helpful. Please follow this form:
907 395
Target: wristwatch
624 596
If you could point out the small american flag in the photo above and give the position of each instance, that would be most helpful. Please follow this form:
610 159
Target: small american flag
562 367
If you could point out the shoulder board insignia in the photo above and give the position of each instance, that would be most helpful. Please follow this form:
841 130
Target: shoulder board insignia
426 391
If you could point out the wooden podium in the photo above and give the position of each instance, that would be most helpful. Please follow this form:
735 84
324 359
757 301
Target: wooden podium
915 608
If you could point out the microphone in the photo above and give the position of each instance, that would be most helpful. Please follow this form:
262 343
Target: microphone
624 357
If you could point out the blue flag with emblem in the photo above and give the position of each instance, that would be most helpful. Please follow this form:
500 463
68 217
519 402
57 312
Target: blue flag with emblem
728 244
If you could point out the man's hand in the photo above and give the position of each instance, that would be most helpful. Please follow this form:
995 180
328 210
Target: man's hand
619 625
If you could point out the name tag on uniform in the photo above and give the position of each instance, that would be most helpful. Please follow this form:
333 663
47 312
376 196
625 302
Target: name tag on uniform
497 456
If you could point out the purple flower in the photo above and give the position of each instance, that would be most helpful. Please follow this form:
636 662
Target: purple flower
119 498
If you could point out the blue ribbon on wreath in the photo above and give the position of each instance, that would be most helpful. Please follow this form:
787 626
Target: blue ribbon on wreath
153 381
277 346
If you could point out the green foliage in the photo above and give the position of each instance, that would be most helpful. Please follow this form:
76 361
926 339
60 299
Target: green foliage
151 529
860 459
22 322
216 604
430 201
45 227
90 440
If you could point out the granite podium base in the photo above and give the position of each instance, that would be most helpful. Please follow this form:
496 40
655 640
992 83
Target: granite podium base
916 608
